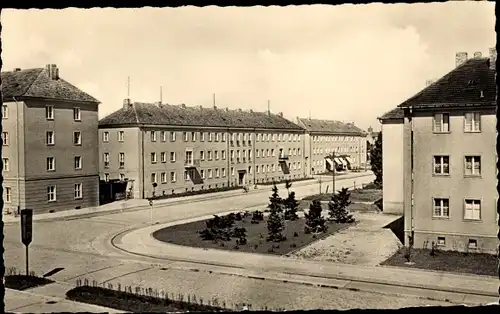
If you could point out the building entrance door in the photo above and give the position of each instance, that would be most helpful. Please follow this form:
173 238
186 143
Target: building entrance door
241 178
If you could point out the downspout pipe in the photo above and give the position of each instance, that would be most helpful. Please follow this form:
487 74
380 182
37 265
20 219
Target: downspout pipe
142 166
18 158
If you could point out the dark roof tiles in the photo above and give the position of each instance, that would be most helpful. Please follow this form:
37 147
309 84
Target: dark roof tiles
394 114
164 114
36 83
330 126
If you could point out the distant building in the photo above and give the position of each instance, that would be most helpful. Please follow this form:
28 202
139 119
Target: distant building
371 136
392 160
183 148
324 137
50 145
450 157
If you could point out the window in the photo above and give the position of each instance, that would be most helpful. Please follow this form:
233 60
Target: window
153 158
298 165
106 160
163 136
223 154
5 138
172 156
163 177
441 207
249 154
202 136
441 241
51 164
77 138
6 165
106 177
78 162
442 165
232 154
472 122
472 165
153 136
224 137
105 137
272 152
472 244
441 123
49 112
173 176
5 112
274 137
121 159
298 151
77 114
209 155
217 137
153 177
209 173
163 157
122 177
120 136
172 136
257 169
202 173
217 172
472 210
216 155
202 155
8 194
257 153
223 172
188 157
268 152
185 136
249 169
193 136
78 191
232 171
273 167
51 193
210 136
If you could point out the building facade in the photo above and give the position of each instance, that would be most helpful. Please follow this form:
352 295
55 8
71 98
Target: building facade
324 138
50 141
392 161
450 160
183 148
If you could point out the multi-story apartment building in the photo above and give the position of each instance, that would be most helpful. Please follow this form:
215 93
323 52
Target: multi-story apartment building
450 159
49 153
392 161
324 138
183 148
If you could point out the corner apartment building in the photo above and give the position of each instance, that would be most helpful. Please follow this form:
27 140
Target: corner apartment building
50 140
450 159
326 137
183 148
392 161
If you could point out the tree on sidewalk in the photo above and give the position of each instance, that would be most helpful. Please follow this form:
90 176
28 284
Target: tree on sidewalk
376 159
315 223
337 207
275 221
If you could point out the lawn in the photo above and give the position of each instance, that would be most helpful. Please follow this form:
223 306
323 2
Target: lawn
135 303
187 235
23 282
358 195
455 262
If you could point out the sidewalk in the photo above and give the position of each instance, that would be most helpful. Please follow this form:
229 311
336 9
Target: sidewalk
139 204
141 242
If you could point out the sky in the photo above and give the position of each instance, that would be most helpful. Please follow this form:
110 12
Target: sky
349 63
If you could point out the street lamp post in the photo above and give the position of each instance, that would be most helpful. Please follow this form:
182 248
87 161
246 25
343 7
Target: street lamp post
151 204
332 157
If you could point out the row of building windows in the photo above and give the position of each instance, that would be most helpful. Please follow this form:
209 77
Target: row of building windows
51 193
321 150
472 165
50 164
318 138
472 122
471 209
49 113
49 138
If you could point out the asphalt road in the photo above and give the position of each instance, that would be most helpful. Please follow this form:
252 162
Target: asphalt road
81 248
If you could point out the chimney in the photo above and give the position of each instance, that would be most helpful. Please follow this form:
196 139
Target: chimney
183 106
127 104
428 82
477 54
251 111
54 72
17 69
493 58
280 114
460 58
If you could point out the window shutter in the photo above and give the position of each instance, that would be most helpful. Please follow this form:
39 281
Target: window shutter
437 122
477 122
446 123
468 121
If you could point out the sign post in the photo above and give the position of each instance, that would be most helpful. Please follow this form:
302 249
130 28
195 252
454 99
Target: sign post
27 232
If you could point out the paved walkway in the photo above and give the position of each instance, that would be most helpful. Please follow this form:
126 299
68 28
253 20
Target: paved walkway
138 204
141 242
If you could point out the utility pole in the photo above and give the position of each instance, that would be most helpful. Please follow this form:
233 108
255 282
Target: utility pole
333 172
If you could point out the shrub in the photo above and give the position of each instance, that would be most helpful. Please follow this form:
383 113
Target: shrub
238 217
314 221
239 233
337 207
258 215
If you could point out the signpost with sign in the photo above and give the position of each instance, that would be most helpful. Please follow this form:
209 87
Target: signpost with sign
27 232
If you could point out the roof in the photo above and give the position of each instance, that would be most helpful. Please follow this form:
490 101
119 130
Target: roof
330 127
395 114
181 115
36 83
461 86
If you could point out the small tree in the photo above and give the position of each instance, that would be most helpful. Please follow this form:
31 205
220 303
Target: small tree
314 221
337 207
275 221
291 207
376 159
